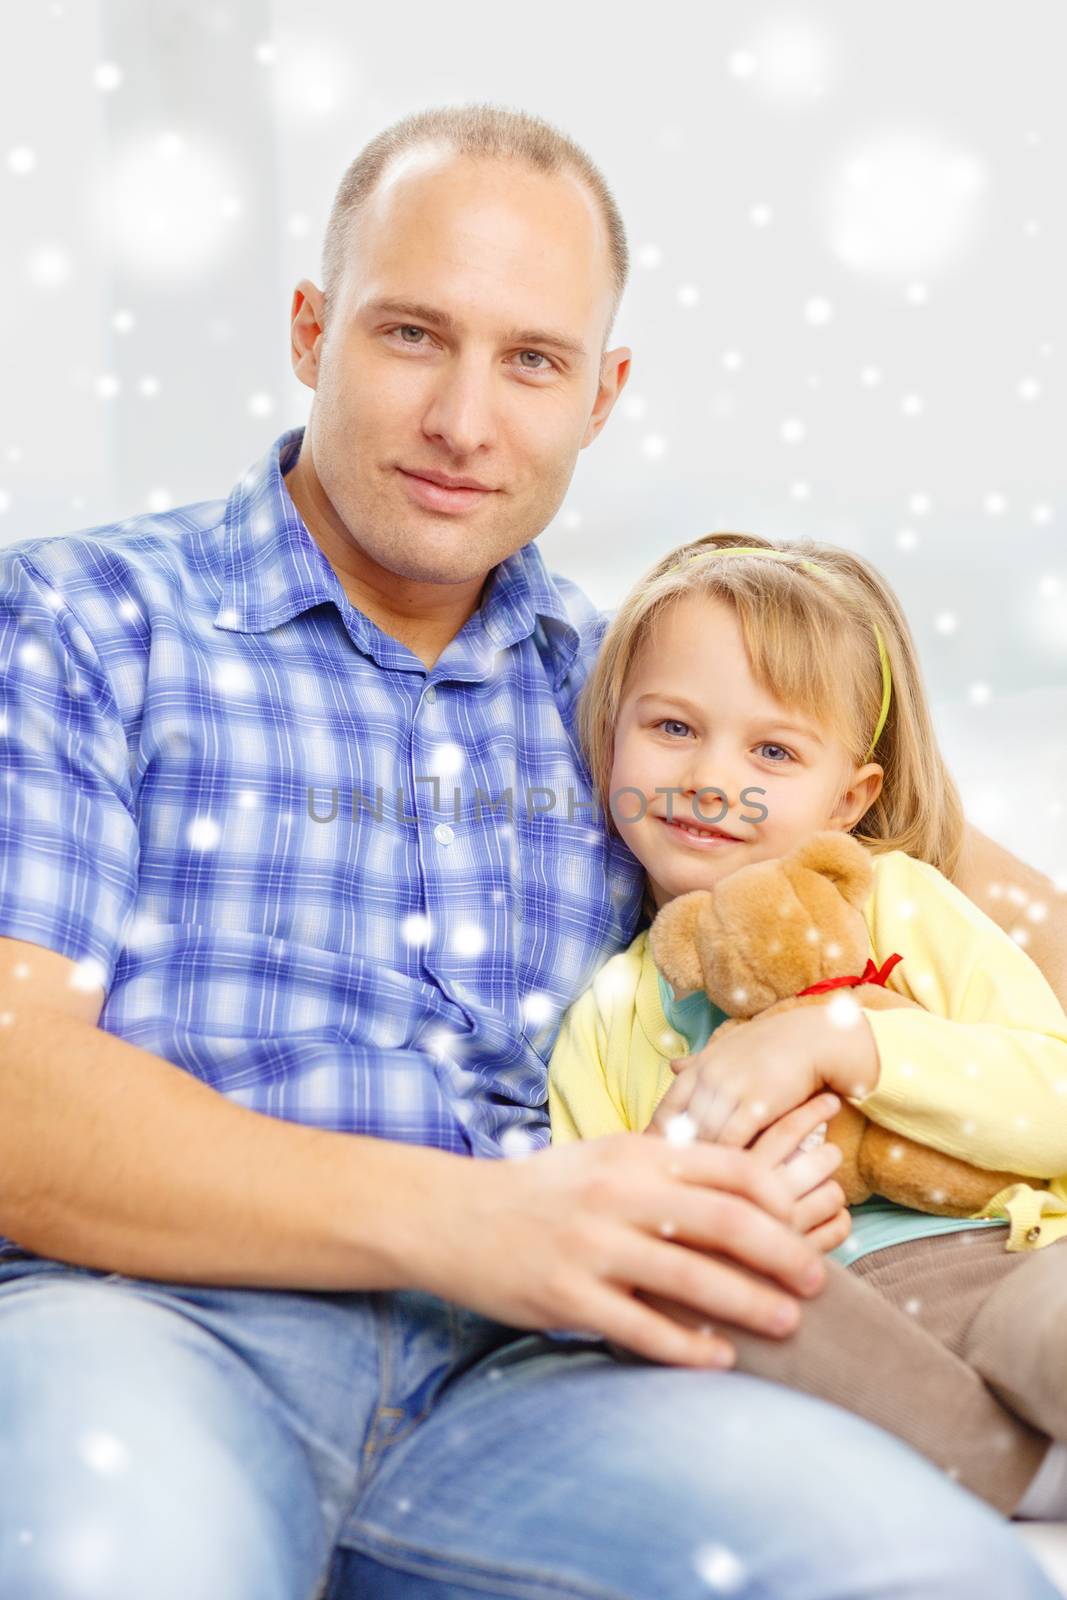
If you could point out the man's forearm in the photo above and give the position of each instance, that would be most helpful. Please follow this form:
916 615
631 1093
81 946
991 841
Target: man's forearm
113 1158
1017 896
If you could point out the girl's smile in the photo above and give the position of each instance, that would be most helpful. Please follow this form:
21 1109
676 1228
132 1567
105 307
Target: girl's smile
691 833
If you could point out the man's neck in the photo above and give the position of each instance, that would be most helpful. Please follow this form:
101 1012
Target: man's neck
426 633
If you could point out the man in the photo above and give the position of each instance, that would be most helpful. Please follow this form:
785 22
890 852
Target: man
264 994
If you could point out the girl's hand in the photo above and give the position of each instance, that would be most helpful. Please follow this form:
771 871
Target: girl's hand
742 1083
819 1209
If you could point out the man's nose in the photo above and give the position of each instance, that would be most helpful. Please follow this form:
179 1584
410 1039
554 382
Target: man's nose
460 413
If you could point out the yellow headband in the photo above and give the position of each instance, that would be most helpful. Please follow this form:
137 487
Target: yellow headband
760 550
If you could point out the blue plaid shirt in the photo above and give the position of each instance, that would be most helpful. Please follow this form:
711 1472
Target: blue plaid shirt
281 843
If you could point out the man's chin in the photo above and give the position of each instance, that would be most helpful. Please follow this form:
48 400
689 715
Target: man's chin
413 557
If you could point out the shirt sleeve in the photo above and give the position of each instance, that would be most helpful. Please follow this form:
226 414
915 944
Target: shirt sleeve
980 1072
580 1102
69 845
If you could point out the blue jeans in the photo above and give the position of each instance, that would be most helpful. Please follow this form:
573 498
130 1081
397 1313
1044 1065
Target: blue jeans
164 1441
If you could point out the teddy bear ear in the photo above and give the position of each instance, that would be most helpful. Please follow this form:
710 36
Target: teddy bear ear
674 939
839 858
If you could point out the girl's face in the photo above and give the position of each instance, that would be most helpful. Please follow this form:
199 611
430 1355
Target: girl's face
692 717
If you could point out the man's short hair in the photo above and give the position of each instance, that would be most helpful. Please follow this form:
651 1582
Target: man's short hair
476 130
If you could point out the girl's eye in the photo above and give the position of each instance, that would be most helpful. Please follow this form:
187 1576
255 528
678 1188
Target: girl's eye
663 721
787 753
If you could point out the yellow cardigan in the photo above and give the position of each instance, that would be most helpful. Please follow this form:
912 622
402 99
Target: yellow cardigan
980 1072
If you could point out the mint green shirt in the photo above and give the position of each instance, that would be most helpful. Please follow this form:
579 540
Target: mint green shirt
877 1223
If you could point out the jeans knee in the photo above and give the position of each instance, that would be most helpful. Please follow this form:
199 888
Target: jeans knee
129 1547
104 1527
993 1560
134 1466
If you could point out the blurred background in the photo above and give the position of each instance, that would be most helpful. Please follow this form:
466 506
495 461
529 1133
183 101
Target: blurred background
846 304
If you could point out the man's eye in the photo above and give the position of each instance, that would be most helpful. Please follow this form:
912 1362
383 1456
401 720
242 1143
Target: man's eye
409 328
539 356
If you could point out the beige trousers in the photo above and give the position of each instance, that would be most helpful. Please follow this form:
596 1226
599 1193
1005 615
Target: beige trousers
950 1342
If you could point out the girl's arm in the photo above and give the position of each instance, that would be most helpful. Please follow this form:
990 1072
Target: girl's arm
1007 889
580 1101
980 1071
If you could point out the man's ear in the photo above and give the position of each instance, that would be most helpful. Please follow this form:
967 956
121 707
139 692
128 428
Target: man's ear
614 371
306 331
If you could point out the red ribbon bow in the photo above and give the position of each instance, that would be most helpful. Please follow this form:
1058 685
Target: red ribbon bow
870 974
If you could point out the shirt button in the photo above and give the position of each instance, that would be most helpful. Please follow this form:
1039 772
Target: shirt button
1033 1235
430 696
443 833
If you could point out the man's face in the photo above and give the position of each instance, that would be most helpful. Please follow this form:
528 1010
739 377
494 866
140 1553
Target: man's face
464 340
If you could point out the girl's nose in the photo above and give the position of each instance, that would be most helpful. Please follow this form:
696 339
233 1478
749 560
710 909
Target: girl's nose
709 804
710 787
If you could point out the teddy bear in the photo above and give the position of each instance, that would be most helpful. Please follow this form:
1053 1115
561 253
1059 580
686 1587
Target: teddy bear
790 932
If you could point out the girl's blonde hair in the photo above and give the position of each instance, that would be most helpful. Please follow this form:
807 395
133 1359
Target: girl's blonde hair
810 643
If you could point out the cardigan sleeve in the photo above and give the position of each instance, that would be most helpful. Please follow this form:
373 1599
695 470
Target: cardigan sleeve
979 1072
581 1101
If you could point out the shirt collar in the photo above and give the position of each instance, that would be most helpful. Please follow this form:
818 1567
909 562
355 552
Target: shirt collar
274 570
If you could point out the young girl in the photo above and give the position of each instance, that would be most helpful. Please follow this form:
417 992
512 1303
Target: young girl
736 706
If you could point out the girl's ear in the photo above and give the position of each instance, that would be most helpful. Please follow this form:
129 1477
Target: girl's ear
863 790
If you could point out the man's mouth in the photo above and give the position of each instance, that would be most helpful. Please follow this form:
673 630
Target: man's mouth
438 496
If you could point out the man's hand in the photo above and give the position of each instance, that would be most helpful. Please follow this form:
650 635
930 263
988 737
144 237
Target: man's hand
819 1210
579 1235
746 1080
